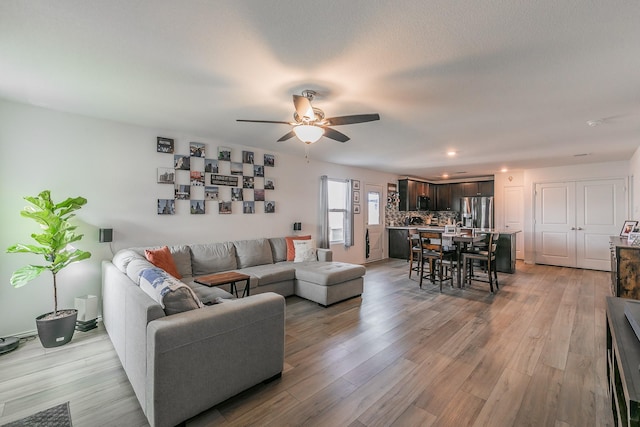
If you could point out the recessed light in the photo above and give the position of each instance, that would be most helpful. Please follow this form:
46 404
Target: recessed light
451 153
503 170
445 175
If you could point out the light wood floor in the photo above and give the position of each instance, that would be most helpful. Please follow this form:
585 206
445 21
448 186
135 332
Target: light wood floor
531 355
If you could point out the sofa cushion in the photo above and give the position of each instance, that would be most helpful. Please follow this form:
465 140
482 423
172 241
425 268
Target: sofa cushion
328 273
182 258
213 258
173 295
253 252
163 259
291 252
305 250
266 274
278 248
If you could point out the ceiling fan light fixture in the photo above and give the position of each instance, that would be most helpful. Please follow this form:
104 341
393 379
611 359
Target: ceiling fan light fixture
308 133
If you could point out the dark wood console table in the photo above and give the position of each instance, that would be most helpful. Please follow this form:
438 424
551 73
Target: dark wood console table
623 364
228 278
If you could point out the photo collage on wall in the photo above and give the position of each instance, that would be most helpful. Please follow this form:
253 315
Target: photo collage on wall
215 182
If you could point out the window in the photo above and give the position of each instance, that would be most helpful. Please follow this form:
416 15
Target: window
373 208
337 193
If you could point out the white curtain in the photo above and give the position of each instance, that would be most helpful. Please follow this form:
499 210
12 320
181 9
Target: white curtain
348 217
323 240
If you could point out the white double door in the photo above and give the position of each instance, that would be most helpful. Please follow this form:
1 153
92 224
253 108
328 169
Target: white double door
573 222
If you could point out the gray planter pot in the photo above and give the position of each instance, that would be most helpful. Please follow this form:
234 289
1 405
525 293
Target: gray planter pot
58 331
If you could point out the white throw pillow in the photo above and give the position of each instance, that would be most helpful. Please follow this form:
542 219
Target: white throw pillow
305 250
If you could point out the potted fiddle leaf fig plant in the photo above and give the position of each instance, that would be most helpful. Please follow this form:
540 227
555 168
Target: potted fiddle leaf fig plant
53 243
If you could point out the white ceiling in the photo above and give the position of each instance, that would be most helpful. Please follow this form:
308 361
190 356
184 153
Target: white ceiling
505 83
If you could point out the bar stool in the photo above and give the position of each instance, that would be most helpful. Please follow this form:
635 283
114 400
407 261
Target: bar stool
414 250
488 257
434 251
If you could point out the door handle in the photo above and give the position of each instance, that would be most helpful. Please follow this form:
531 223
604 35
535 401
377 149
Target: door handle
573 228
580 228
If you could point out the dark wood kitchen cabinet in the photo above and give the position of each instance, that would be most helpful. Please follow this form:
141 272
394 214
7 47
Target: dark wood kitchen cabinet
408 192
443 197
446 197
398 243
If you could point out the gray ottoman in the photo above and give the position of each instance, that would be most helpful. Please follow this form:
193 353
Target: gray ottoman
328 282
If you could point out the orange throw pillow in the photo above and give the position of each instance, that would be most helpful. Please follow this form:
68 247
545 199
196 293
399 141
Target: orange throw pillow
291 250
163 259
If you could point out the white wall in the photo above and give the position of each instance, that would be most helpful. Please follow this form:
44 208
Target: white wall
114 166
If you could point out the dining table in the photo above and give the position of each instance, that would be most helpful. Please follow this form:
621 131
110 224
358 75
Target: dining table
462 240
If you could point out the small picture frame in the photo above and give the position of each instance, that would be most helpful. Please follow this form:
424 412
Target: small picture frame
164 145
166 175
197 207
628 227
224 153
224 208
247 157
269 160
356 197
269 184
356 209
196 149
269 206
166 207
355 184
211 165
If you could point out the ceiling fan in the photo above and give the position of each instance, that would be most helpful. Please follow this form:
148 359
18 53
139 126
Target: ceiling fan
310 123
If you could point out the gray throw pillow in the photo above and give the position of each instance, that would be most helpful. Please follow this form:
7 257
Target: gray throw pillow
253 252
278 248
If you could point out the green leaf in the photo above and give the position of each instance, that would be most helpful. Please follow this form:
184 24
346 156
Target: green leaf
24 275
32 249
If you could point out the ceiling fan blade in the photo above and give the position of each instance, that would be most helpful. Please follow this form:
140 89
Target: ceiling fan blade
287 136
334 134
264 121
349 120
303 107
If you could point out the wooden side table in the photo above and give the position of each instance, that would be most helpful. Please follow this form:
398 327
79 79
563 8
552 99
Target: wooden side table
227 278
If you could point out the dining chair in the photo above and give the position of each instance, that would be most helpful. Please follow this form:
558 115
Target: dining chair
487 258
434 251
414 250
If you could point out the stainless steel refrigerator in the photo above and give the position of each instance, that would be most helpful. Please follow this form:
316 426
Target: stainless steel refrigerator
477 212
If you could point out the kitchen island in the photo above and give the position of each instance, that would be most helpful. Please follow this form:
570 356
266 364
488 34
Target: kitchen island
505 255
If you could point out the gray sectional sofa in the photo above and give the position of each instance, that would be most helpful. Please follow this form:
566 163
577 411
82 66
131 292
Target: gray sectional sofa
183 357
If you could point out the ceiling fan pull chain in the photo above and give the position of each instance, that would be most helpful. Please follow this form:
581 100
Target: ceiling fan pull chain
306 152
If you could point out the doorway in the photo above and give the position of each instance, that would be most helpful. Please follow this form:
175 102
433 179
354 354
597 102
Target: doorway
374 224
574 219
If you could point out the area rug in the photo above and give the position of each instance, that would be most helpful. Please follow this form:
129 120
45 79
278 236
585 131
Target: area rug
58 416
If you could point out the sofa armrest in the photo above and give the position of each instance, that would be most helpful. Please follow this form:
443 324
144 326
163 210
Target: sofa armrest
199 358
325 254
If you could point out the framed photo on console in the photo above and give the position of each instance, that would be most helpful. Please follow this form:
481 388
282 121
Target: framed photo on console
628 227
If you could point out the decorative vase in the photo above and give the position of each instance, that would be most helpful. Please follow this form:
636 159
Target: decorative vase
57 331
